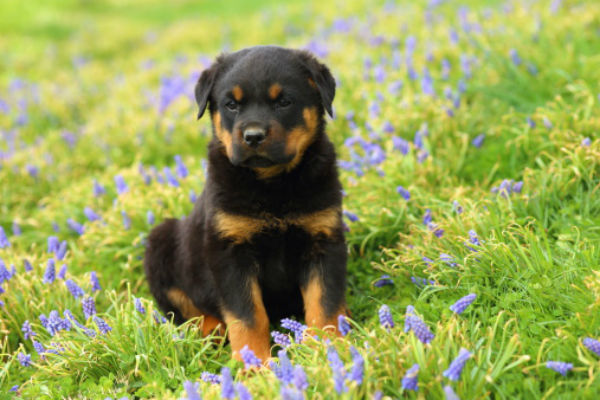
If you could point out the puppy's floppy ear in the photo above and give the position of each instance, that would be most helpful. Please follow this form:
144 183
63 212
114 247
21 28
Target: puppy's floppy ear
204 87
322 77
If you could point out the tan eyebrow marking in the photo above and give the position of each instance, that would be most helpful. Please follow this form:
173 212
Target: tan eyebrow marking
237 92
274 90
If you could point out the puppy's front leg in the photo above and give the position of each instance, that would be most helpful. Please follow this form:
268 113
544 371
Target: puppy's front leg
242 307
324 287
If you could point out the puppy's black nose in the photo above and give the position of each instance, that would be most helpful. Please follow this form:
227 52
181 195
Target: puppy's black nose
254 136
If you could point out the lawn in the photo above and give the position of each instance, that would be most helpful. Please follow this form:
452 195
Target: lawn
468 138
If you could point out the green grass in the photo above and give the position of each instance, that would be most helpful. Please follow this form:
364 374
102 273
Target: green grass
535 272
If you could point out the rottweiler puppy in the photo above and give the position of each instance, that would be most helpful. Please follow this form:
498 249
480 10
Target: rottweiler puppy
265 239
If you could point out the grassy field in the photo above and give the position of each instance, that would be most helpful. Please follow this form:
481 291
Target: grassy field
469 143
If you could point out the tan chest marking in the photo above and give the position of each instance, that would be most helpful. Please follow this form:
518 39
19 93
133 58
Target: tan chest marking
241 228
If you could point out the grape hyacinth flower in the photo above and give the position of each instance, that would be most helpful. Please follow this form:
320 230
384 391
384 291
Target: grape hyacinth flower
14 389
456 207
357 372
49 274
28 332
3 239
94 281
530 122
210 378
385 317
514 56
91 215
296 327
39 348
99 190
126 220
284 371
586 142
401 145
53 244
351 216
89 307
181 169
456 366
547 123
478 140
410 379
227 389
343 325
384 280
427 219
463 303
416 324
290 393
150 217
138 305
281 339
27 265
16 229
171 180
61 251
102 325
421 281
449 393
299 378
121 185
70 317
403 192
448 259
76 226
249 358
24 359
337 367
74 288
592 345
191 390
242 392
560 367
62 272
4 273
422 156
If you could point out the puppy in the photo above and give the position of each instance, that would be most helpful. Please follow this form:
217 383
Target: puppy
265 239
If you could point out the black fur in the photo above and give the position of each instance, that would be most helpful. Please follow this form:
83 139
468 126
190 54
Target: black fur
190 255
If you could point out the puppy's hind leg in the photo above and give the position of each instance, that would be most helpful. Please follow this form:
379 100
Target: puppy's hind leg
159 264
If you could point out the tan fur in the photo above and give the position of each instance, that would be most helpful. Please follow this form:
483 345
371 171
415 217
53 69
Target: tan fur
314 313
298 141
188 310
237 92
255 336
312 83
223 135
274 91
241 228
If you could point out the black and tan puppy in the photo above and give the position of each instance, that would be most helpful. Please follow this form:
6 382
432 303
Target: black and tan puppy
265 239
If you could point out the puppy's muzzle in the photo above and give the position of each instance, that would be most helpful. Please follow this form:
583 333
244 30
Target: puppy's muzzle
254 136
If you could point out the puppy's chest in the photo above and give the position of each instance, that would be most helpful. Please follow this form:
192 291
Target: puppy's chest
240 228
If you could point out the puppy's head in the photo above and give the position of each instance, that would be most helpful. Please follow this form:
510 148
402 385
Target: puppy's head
267 105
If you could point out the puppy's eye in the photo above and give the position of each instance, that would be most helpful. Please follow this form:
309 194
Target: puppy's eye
283 102
231 105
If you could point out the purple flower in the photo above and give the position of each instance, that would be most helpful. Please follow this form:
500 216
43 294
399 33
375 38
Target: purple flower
357 371
299 378
249 358
27 265
89 307
343 325
3 239
281 339
62 272
445 69
450 395
61 251
456 207
284 371
49 274
70 317
455 369
28 333
422 156
530 122
517 187
91 215
416 324
290 393
193 196
243 393
463 303
384 280
559 366
74 288
99 190
514 56
210 378
403 192
191 390
4 273
547 123
102 325
39 348
385 317
150 217
296 327
24 359
14 389
53 323
427 217
94 281
421 281
592 344
138 305
478 140
351 216
121 185
126 220
75 226
227 389
395 87
181 169
401 145
16 229
586 142
171 180
410 379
